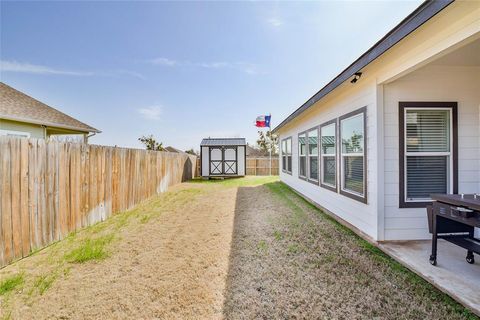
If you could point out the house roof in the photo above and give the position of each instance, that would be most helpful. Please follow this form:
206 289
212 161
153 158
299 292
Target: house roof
172 149
251 151
17 106
223 142
419 16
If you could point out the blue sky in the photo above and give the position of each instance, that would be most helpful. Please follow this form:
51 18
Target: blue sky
184 70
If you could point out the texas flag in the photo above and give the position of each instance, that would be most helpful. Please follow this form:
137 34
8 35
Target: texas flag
263 121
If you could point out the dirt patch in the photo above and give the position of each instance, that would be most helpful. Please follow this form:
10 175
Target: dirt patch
168 261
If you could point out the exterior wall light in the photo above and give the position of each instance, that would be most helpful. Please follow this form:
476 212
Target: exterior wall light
356 76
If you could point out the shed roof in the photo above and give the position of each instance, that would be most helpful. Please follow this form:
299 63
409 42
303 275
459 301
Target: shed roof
17 106
223 142
419 16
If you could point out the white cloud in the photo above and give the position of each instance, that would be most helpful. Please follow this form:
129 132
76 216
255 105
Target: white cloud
151 113
164 62
245 67
214 65
130 73
25 67
14 66
275 22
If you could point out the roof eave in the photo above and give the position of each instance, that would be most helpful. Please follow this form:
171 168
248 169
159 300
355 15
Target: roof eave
51 124
414 20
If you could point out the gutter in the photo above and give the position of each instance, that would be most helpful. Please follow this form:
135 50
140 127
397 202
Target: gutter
413 21
50 124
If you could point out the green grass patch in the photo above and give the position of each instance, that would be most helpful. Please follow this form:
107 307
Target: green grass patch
11 283
144 219
277 235
90 249
293 248
248 181
44 282
421 287
262 246
284 193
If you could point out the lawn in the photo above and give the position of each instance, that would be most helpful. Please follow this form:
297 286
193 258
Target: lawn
238 249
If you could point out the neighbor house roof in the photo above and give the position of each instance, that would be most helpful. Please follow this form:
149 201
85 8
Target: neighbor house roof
172 149
223 142
419 16
17 106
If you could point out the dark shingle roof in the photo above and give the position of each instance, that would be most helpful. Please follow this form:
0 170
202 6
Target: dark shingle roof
17 106
223 142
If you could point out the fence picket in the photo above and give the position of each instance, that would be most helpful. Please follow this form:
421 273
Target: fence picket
6 205
51 188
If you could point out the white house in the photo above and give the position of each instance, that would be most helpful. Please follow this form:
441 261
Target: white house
400 123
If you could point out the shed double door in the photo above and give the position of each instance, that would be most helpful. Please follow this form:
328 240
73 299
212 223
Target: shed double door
223 160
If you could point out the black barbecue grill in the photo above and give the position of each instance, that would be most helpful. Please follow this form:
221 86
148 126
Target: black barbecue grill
453 217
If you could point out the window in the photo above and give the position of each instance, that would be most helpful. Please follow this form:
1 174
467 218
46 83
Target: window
12 133
302 155
328 149
312 137
352 155
287 155
427 151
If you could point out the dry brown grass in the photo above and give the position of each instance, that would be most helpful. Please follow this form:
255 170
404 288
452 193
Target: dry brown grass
289 260
237 249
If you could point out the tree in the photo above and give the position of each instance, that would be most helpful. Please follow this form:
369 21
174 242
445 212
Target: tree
192 152
267 141
150 143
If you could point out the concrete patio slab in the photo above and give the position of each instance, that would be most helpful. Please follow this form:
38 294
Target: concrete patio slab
452 274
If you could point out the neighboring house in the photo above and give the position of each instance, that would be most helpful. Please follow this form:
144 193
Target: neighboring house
174 150
256 152
400 123
22 115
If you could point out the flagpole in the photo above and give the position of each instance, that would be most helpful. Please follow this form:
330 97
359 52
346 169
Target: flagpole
270 149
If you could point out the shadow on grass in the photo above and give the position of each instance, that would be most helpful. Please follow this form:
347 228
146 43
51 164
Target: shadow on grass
261 282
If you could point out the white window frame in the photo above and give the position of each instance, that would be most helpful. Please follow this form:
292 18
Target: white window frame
24 134
315 181
287 155
323 155
362 197
304 133
426 154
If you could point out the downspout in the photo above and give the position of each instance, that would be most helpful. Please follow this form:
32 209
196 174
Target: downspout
86 136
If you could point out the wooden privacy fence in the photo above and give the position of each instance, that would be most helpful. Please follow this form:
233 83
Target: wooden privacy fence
260 166
50 188
256 166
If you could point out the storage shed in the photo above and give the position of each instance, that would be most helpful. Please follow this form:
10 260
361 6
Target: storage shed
223 157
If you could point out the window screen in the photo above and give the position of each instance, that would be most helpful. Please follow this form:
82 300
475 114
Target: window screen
302 155
328 142
352 133
287 155
427 152
312 136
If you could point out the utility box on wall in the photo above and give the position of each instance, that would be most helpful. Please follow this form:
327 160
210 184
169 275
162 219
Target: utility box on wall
223 157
